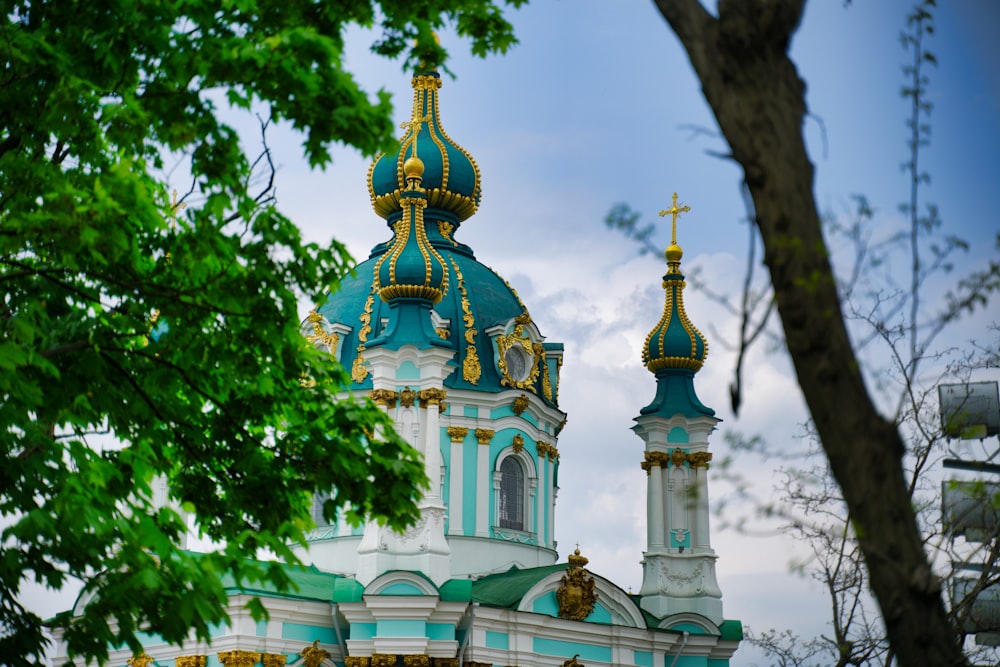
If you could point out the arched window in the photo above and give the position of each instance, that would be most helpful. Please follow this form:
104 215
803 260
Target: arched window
317 509
511 494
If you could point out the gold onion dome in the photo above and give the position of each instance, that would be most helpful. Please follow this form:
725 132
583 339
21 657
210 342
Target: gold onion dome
674 343
450 176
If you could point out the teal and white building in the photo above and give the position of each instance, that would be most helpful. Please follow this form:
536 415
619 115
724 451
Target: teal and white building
445 345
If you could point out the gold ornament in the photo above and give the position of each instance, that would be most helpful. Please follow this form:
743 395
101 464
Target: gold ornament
576 595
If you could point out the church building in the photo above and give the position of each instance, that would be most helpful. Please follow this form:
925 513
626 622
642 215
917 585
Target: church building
447 348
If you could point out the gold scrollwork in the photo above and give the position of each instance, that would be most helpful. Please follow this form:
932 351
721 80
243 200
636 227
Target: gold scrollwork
385 398
457 433
446 228
357 661
520 404
518 442
445 662
418 660
484 436
432 396
407 397
358 369
239 658
472 370
546 380
542 448
576 594
573 662
442 333
319 336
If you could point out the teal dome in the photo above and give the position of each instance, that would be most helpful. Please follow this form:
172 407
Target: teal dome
674 343
478 300
450 176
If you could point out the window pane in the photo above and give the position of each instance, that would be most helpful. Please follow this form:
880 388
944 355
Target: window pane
511 494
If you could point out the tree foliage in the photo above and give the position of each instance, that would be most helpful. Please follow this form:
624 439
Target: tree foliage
141 339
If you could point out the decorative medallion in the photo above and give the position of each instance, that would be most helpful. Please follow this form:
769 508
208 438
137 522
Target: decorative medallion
406 397
576 595
520 404
518 442
678 457
518 356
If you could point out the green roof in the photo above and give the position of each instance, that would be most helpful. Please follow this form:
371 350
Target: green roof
308 583
506 589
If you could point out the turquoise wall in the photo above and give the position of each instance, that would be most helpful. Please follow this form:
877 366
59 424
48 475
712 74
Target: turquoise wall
585 651
308 633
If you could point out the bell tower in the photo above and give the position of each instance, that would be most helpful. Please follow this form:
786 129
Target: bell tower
679 562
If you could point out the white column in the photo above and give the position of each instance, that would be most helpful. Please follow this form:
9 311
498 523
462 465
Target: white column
455 495
654 503
483 484
432 450
701 539
539 497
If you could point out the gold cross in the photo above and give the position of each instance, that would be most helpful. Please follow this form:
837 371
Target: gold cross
674 211
174 207
413 125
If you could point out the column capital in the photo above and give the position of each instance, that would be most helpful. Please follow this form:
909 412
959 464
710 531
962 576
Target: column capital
484 435
191 660
385 398
239 658
457 433
433 396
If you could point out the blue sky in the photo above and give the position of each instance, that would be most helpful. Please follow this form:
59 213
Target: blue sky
598 105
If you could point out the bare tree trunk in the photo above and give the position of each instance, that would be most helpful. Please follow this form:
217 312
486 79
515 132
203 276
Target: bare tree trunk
753 88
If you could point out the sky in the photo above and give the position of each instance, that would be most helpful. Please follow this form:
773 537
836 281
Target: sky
598 105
